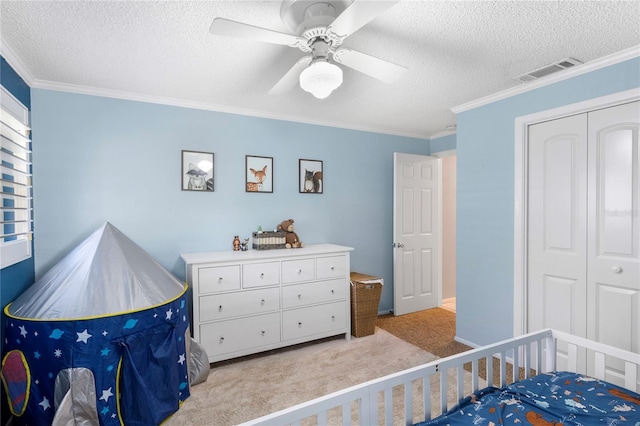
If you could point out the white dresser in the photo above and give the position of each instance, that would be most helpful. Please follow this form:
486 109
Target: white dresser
253 301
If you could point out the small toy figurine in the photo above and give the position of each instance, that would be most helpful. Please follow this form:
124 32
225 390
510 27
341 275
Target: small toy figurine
244 246
236 243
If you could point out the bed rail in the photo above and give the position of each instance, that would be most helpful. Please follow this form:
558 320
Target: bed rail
426 391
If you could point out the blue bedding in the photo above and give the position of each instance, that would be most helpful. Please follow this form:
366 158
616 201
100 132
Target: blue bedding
557 398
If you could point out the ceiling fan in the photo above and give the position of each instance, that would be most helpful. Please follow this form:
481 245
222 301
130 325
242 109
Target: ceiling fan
319 27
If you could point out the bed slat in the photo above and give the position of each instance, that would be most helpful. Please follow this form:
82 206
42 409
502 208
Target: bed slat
388 407
346 414
460 381
426 397
503 368
599 366
443 390
408 403
630 375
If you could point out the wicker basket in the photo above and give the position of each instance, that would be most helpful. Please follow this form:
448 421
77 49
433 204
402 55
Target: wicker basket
365 298
269 240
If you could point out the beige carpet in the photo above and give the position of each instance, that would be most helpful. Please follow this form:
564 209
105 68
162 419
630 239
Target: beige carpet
251 387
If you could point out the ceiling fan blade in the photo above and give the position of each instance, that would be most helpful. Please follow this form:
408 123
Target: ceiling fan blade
225 27
290 79
367 64
357 15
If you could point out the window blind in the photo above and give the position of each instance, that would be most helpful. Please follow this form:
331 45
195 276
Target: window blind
16 224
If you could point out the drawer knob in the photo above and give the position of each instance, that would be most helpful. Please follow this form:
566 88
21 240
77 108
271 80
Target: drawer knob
300 325
333 291
333 268
299 271
263 332
221 340
262 276
299 297
333 317
262 302
220 280
220 308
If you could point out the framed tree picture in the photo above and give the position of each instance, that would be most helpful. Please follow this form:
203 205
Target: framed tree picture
259 173
310 176
197 171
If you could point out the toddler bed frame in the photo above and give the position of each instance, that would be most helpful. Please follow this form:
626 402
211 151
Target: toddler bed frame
431 389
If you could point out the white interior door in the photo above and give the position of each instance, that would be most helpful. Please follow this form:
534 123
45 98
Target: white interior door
583 270
613 275
557 234
416 233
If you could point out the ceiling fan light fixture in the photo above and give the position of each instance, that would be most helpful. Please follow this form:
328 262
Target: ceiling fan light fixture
321 78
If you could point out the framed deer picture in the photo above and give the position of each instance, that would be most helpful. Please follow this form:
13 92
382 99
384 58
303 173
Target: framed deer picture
259 173
310 175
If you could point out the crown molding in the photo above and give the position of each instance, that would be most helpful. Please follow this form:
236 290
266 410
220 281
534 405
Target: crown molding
442 133
138 97
16 64
596 64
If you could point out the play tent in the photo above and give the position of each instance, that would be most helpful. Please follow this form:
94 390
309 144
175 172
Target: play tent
101 338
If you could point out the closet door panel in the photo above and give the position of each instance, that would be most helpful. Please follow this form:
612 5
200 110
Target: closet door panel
557 225
614 224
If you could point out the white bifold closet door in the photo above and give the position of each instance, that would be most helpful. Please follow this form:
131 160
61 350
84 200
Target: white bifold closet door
584 226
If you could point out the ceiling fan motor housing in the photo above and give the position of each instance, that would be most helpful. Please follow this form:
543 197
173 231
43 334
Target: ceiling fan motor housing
310 18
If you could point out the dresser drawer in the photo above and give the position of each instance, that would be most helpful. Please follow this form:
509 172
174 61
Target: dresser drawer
218 278
332 267
309 293
296 271
235 335
304 322
260 274
221 306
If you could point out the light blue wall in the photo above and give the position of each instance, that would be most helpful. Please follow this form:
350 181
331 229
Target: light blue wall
443 143
100 159
485 196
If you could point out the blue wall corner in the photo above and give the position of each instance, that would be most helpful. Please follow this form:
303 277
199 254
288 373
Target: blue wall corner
16 278
443 143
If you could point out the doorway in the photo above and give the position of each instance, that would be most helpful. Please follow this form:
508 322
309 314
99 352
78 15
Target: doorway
449 171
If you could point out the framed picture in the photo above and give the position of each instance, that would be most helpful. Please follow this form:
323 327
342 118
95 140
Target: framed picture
259 173
197 171
310 176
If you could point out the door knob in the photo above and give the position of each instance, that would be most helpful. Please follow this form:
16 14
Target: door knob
398 245
616 269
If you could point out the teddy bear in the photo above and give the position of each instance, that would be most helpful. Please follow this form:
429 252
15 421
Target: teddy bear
291 238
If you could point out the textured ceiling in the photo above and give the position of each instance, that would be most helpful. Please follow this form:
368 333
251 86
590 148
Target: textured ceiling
456 52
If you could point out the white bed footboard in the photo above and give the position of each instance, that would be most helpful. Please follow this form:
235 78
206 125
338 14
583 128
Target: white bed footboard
426 391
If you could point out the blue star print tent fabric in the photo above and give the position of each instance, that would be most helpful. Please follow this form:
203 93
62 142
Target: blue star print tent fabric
99 339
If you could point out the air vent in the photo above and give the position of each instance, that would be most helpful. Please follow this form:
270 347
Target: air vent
547 70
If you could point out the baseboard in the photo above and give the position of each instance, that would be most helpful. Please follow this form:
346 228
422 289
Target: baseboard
466 342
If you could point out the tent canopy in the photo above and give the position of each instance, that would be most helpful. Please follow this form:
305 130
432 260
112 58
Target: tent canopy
106 274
